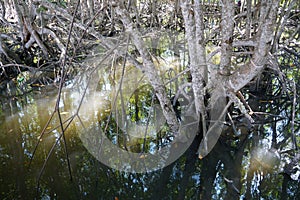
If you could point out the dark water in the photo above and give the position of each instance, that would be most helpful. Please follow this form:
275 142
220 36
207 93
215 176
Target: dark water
258 162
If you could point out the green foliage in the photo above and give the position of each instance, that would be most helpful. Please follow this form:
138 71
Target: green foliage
62 3
41 9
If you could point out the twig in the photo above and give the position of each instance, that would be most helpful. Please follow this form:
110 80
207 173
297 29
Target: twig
293 116
241 106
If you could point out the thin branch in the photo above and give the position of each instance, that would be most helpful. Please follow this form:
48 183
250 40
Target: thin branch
293 116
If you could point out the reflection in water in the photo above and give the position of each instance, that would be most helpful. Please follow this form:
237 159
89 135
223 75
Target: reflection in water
267 159
131 135
239 167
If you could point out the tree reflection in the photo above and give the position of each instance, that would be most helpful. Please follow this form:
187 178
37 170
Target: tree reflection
250 160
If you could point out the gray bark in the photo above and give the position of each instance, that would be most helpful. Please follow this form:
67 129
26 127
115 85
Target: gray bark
193 18
263 39
227 27
220 84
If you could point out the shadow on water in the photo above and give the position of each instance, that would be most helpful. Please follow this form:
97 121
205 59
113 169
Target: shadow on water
248 162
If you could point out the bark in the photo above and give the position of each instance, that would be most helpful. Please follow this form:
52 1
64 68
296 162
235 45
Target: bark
227 27
22 29
90 4
283 20
263 39
234 80
193 18
248 19
2 14
217 106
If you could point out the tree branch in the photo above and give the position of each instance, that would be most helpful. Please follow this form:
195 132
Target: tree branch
148 68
